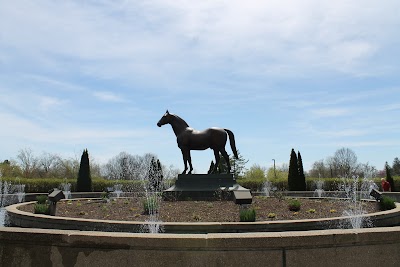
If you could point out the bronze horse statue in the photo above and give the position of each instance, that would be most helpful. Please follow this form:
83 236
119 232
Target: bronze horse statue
190 139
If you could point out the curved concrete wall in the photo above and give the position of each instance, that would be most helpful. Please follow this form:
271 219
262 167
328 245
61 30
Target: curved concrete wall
27 219
39 247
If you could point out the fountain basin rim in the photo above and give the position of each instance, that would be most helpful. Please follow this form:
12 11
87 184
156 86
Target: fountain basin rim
14 209
26 219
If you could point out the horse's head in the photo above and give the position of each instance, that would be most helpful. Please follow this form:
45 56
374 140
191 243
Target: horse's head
165 119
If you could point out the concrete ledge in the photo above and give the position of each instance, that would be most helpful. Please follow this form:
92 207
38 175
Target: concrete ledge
25 219
39 247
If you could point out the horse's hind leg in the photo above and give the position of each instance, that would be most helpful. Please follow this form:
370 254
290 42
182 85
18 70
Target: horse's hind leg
216 155
226 157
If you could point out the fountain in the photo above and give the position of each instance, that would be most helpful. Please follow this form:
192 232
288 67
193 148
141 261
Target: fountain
268 189
183 245
10 194
66 188
219 244
19 190
4 191
2 216
319 191
355 210
367 185
152 200
118 190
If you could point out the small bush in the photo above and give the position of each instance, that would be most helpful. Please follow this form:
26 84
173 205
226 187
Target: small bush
41 199
271 215
105 195
294 205
311 211
247 215
196 217
279 195
41 209
150 205
387 203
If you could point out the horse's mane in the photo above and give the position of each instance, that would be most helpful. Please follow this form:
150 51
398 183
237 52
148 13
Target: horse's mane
180 119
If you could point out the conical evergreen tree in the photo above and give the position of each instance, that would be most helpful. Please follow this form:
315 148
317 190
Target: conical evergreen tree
389 177
151 175
293 171
84 182
155 176
237 165
160 176
301 181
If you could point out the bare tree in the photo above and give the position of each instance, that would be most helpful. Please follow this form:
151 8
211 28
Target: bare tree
68 168
170 172
126 166
342 163
28 162
318 169
49 165
284 167
345 161
367 171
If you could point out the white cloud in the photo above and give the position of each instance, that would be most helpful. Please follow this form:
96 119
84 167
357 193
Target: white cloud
46 103
24 129
108 96
330 112
117 38
280 62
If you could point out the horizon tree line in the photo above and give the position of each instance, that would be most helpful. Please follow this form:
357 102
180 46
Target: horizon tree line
123 166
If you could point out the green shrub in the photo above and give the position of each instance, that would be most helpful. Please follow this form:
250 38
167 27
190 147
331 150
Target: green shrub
252 184
42 185
105 195
41 199
294 205
42 209
150 205
247 215
387 203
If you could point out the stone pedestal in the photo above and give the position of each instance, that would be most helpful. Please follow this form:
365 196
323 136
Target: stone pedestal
203 187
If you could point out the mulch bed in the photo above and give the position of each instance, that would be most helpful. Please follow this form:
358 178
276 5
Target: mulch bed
131 209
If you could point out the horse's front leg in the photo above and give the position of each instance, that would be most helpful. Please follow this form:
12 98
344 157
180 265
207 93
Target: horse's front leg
186 158
184 155
189 158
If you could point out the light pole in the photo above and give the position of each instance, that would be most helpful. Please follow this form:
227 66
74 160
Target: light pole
274 169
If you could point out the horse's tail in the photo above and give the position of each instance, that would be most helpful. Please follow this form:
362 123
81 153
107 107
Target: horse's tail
232 142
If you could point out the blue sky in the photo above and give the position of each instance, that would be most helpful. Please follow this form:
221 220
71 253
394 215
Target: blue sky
310 75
